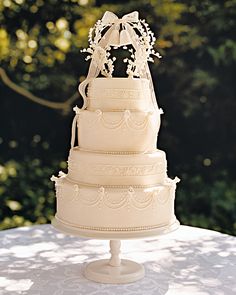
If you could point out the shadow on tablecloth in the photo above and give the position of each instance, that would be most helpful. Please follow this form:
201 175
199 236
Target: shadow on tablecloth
41 261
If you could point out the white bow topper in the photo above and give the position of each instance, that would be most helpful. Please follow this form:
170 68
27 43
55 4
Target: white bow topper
118 38
110 18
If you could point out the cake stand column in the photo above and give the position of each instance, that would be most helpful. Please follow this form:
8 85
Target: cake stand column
114 270
115 251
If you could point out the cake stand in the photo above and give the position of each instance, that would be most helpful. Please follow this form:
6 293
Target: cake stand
114 270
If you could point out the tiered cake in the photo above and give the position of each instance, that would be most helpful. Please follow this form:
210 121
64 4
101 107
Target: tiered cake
117 184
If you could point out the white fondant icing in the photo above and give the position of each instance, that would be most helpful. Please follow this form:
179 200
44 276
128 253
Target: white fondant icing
118 131
119 94
115 207
117 169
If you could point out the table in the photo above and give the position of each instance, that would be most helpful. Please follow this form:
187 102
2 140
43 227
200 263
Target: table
39 260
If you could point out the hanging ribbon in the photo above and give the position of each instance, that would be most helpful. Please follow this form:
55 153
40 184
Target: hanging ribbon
74 124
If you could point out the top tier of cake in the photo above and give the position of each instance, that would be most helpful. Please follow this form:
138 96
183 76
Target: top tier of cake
114 94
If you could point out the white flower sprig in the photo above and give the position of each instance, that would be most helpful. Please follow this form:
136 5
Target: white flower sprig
101 56
144 52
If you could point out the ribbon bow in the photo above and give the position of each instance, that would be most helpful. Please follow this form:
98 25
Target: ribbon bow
111 18
116 37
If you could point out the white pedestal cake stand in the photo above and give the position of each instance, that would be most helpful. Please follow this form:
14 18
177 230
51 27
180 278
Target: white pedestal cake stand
113 270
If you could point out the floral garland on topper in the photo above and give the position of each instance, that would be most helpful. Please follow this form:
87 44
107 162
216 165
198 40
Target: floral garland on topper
134 32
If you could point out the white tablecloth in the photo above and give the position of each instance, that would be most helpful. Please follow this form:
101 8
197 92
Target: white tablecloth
39 260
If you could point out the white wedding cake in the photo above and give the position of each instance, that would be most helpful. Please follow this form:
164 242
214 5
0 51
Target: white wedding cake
117 184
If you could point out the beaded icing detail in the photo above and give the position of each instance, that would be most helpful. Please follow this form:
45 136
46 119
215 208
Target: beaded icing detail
117 229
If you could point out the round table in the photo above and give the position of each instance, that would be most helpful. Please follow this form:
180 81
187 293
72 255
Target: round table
39 260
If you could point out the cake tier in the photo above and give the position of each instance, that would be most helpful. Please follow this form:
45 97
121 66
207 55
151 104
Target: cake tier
119 94
117 169
115 211
118 131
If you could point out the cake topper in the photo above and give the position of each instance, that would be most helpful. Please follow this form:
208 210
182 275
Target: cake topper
113 32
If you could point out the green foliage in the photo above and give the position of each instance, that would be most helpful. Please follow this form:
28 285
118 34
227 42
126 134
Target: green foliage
208 205
50 36
26 193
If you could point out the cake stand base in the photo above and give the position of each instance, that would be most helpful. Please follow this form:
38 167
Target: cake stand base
114 270
102 272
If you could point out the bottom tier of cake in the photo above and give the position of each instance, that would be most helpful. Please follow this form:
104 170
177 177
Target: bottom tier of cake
115 212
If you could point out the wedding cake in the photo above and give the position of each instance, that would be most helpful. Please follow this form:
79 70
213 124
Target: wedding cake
117 184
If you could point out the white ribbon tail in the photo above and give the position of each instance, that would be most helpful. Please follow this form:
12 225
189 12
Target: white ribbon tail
153 96
73 131
82 91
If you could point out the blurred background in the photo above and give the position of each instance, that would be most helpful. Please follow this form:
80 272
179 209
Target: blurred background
195 81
